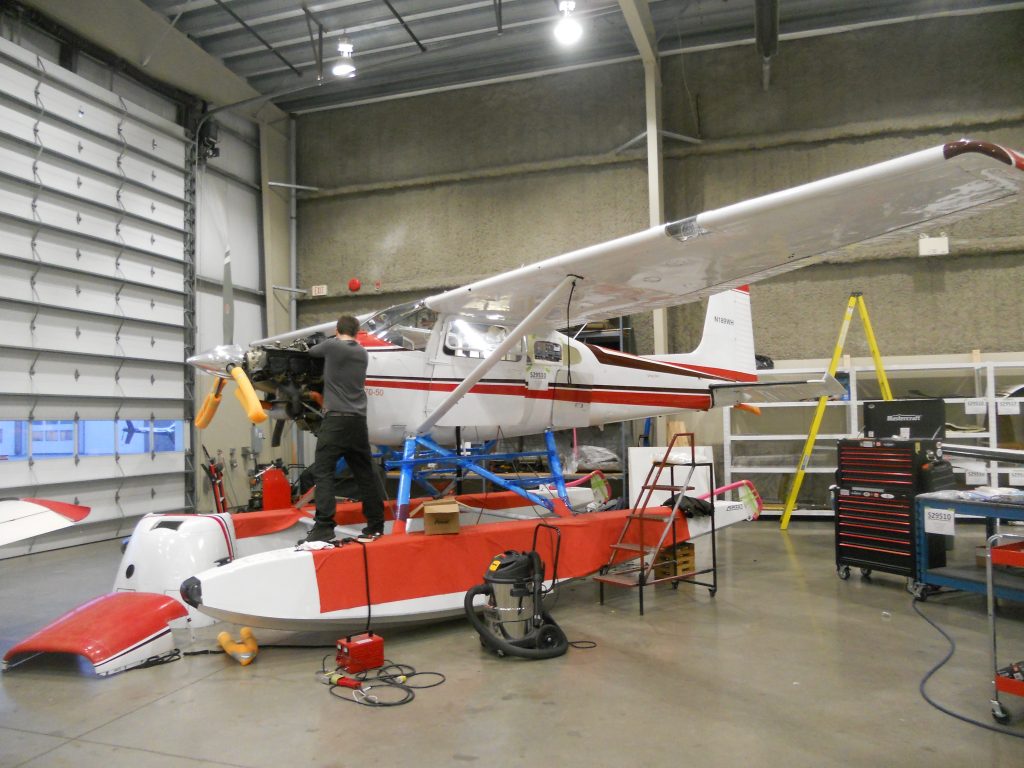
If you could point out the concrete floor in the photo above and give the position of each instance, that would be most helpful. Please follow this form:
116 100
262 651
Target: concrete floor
786 666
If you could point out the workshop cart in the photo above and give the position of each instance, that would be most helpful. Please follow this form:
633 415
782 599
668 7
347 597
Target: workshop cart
1009 678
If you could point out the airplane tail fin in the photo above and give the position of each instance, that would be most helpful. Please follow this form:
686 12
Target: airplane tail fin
129 432
726 348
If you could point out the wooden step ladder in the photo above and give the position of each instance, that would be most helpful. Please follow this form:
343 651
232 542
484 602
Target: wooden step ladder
639 551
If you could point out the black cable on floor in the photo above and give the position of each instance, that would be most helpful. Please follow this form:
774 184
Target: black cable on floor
391 677
940 665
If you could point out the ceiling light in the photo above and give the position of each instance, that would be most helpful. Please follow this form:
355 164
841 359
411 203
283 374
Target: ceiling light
567 31
344 67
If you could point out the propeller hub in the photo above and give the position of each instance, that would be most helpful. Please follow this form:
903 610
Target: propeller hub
216 361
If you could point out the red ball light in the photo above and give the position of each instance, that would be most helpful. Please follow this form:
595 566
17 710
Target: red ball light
354 284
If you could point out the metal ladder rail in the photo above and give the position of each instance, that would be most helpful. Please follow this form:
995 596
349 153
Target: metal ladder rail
648 488
648 555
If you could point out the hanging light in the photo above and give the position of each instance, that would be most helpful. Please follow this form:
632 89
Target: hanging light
567 31
344 67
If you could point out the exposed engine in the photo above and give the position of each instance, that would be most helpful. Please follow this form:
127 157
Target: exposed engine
294 381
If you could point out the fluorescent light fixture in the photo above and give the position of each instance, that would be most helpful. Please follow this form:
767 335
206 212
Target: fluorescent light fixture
567 31
344 67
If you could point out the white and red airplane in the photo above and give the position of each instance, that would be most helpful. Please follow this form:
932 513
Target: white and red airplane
489 358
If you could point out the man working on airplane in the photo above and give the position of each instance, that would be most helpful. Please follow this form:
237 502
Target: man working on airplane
343 431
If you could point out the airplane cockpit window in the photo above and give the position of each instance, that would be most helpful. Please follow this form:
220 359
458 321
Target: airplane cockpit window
406 325
466 339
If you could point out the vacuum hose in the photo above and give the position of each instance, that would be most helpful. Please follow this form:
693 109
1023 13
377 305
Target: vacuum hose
547 642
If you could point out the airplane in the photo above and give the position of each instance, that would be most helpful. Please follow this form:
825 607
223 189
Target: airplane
130 431
488 359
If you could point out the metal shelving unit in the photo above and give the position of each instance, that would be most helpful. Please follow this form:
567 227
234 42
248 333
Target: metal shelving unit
974 390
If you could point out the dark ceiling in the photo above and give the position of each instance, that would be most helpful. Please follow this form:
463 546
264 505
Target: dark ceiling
409 46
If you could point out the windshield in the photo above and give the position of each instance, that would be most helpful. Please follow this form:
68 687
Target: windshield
404 325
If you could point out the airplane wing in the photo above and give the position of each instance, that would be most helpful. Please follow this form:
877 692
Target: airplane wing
25 518
690 259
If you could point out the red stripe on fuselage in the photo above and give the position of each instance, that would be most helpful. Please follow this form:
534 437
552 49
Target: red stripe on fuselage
689 399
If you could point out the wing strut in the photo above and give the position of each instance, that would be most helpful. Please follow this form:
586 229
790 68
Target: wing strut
526 326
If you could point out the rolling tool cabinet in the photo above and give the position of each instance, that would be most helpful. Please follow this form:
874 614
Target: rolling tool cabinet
873 500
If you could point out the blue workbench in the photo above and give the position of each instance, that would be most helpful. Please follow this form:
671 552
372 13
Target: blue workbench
968 578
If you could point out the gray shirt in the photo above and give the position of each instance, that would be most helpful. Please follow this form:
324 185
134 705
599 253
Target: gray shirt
344 375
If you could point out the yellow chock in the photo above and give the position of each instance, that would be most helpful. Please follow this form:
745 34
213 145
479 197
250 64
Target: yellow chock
243 651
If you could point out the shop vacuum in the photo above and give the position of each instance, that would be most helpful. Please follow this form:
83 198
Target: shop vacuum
514 622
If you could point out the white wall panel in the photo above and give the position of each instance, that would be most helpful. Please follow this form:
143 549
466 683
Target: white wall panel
237 158
228 218
210 326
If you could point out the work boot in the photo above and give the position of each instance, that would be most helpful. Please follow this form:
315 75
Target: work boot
319 532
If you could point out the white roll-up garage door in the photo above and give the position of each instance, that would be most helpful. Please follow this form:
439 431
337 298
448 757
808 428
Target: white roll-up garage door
92 297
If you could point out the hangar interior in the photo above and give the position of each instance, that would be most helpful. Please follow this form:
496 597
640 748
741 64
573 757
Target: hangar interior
144 144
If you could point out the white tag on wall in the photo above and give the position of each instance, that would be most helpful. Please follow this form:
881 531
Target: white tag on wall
1007 407
933 246
975 406
976 477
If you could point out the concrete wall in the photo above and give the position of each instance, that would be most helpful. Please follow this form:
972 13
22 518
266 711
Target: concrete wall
427 193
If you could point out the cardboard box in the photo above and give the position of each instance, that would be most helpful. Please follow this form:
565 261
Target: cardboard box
672 562
440 516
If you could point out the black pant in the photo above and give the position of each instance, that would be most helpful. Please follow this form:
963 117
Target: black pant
345 436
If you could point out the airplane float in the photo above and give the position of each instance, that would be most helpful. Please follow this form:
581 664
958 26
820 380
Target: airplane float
487 359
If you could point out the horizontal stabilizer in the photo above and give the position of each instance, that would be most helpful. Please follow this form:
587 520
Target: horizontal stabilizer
723 395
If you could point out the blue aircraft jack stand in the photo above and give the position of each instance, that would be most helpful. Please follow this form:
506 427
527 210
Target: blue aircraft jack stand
419 451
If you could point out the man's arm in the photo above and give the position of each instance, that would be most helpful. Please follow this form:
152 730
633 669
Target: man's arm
320 350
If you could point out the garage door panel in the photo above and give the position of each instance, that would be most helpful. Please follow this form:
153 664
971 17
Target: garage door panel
17 83
137 495
21 406
88 468
101 119
33 204
27 373
115 159
88 185
51 328
55 249
25 281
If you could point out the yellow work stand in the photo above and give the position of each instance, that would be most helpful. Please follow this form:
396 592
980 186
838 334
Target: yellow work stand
856 300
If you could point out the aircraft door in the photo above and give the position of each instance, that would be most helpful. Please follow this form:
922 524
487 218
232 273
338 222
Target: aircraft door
551 378
497 399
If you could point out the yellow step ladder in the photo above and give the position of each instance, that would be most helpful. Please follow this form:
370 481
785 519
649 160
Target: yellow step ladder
856 301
